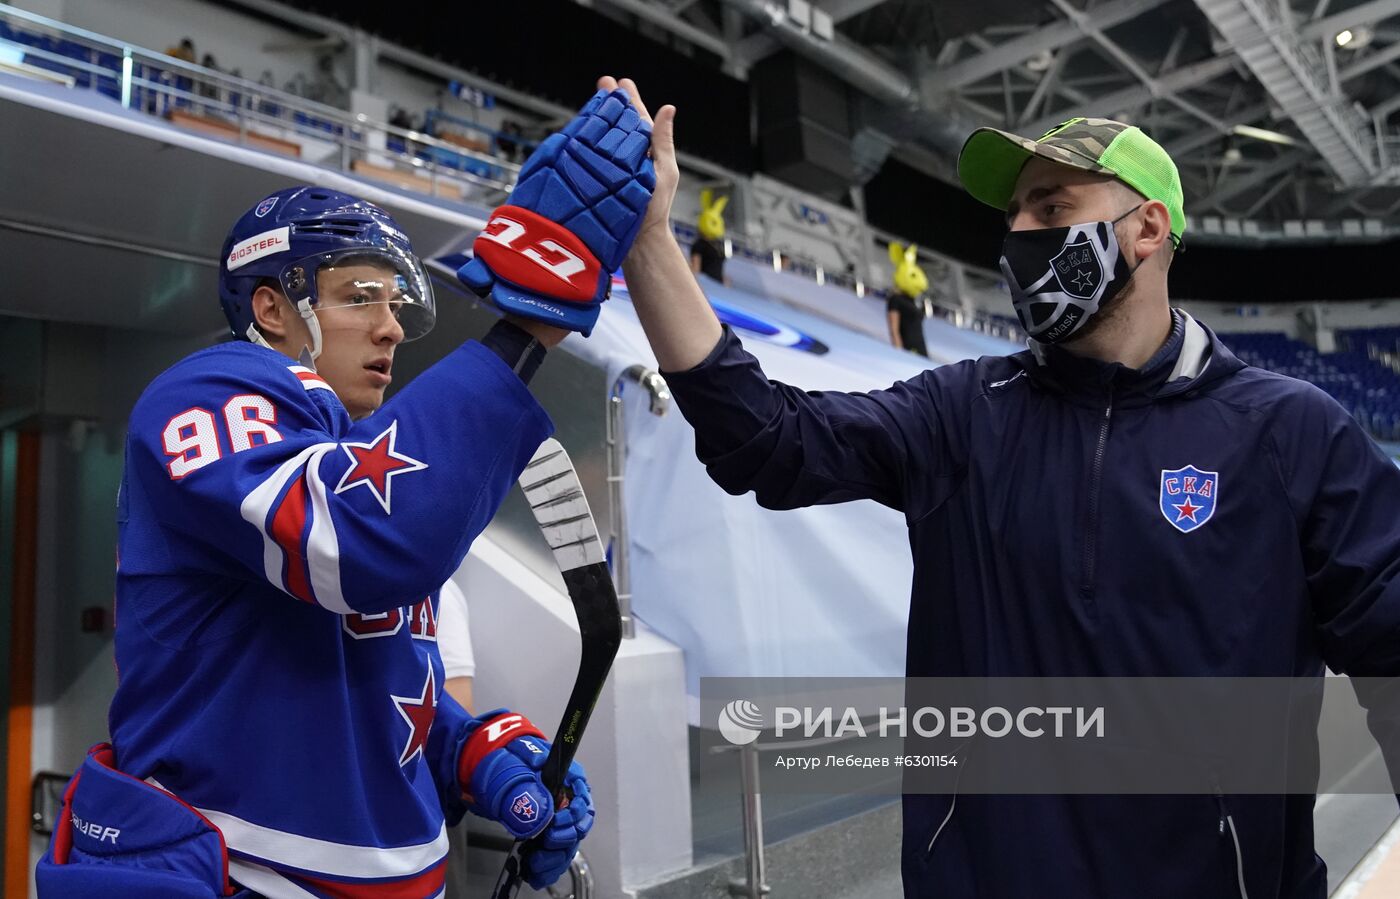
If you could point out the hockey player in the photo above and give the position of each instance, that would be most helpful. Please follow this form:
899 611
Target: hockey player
1125 498
279 726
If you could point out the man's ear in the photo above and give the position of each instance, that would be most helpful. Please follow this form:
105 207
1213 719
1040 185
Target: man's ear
270 313
1156 228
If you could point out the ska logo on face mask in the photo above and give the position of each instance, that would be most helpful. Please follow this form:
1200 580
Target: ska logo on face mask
1077 269
1059 277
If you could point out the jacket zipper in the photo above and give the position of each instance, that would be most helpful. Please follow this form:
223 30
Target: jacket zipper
1228 820
946 818
951 806
1091 532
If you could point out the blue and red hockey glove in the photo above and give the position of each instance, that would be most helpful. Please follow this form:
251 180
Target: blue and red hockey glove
499 773
549 253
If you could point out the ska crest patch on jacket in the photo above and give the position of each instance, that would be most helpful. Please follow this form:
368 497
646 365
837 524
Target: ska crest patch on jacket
1188 497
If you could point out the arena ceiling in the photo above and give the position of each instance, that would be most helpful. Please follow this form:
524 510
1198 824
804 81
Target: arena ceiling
1281 114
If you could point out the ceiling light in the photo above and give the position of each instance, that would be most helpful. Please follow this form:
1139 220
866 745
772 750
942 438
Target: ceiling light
1041 61
1355 38
1264 134
1232 156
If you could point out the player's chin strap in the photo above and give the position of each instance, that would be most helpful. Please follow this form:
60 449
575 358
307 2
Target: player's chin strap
310 354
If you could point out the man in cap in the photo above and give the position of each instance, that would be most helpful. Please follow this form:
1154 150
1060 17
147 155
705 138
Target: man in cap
1124 498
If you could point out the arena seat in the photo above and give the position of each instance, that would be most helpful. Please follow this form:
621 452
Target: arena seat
1381 344
1366 388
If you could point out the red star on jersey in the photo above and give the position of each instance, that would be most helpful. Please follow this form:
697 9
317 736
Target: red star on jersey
418 712
1186 509
375 465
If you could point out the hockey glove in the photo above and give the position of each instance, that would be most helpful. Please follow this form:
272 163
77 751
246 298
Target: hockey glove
549 253
499 772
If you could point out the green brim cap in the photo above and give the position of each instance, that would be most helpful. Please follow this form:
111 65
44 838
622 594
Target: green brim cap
991 161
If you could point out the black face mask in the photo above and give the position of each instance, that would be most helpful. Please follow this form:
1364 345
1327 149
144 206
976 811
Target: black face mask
1060 277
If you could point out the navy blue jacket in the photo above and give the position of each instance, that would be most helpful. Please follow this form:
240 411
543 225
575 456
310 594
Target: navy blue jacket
1032 487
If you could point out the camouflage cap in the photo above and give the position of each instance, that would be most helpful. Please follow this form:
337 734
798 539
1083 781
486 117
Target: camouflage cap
991 161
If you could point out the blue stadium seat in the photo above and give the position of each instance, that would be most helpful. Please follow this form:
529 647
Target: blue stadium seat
1356 375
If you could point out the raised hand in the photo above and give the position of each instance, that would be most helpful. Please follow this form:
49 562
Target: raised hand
663 153
678 320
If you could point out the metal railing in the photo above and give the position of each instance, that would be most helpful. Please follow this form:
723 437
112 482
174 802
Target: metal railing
152 82
754 884
659 401
581 883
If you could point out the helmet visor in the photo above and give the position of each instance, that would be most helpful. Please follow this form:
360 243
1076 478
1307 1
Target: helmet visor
360 283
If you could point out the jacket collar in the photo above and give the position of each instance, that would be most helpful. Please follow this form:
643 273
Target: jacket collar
1191 356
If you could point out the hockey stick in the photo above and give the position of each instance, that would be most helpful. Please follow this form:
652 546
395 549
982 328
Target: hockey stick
557 500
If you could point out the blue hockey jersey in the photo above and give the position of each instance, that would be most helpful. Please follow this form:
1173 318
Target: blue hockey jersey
276 607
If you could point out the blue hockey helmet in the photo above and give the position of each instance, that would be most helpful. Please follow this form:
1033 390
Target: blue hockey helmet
294 234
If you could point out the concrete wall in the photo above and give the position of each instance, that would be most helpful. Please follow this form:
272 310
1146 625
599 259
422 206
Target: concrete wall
1234 319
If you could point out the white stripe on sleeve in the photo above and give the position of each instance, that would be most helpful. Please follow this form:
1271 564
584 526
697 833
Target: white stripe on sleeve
258 503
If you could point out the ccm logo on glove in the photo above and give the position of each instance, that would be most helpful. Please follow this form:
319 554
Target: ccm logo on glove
524 247
505 725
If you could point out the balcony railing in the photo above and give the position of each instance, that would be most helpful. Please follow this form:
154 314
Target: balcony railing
248 113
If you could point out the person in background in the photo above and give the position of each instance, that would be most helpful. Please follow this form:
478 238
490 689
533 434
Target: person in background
182 51
905 309
455 644
707 253
509 138
458 669
401 119
265 104
208 88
